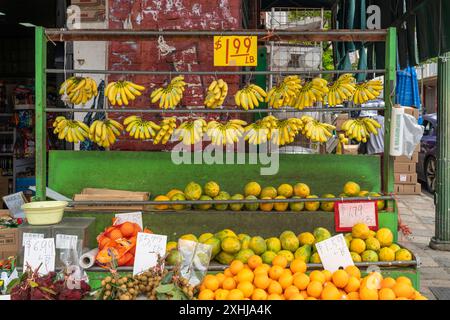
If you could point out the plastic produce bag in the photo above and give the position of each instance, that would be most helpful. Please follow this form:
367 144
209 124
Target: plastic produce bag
72 273
405 133
195 260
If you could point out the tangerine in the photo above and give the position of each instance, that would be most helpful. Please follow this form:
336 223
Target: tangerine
280 261
245 275
317 275
298 265
340 278
221 294
115 234
388 282
236 266
254 262
403 290
290 291
246 287
352 285
314 289
127 229
275 272
261 281
275 288
301 281
259 294
235 294
206 294
386 294
330 293
353 271
229 283
211 282
286 281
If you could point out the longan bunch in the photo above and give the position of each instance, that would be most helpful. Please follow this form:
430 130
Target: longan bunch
119 288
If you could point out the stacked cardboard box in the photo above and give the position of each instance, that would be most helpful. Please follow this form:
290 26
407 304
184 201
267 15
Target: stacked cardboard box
9 239
405 168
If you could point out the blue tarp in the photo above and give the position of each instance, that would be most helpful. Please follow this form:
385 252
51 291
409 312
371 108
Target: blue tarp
407 90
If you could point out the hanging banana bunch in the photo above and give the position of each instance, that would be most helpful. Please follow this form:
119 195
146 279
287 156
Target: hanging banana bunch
169 97
284 93
250 96
257 133
139 128
341 90
316 131
366 91
286 131
191 132
311 93
79 90
72 131
122 92
105 132
216 94
168 125
360 129
228 133
342 141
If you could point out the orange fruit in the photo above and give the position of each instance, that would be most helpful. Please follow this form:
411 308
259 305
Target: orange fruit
301 281
353 296
386 294
275 272
235 294
259 294
314 289
246 287
274 287
405 280
254 262
206 295
304 294
261 281
266 206
211 282
330 293
220 277
298 265
310 298
317 275
290 291
328 283
368 294
162 206
202 287
236 266
297 296
221 294
280 261
353 271
227 272
340 278
286 280
229 283
262 269
287 272
104 242
403 290
274 296
388 283
327 275
245 275
352 285
115 234
127 229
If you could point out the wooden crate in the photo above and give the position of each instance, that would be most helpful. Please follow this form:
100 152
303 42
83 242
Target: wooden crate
97 194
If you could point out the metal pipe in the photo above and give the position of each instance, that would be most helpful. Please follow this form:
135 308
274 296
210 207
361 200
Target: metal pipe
162 111
211 73
243 201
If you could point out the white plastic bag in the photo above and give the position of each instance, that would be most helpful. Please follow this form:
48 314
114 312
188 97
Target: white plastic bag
405 133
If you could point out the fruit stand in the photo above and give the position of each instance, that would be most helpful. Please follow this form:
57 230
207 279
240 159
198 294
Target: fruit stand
69 172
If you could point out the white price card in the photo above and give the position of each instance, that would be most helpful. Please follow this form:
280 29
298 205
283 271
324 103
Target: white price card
135 217
148 247
66 241
14 203
27 237
334 253
349 213
5 297
40 252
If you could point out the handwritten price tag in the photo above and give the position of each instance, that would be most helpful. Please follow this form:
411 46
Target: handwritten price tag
27 237
40 252
334 253
349 213
235 51
66 241
148 247
135 217
14 203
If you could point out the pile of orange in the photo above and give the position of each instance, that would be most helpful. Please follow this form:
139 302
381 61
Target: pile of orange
258 281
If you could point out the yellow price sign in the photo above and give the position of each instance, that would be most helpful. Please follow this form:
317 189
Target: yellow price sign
230 51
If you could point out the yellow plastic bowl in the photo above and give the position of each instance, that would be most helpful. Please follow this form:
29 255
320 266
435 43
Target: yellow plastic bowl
44 212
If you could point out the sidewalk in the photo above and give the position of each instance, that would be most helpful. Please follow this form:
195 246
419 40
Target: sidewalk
417 212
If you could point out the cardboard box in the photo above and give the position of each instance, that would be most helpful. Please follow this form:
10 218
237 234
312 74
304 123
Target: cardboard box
340 121
408 188
411 111
405 178
404 167
350 149
9 240
414 158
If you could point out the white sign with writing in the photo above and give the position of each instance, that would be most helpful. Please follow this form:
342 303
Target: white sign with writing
40 252
135 217
334 253
148 247
14 202
27 237
66 241
351 213
5 297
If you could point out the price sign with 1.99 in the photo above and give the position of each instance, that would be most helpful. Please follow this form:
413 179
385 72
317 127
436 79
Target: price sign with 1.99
235 51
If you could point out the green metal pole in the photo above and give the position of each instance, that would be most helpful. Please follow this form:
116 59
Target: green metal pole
441 239
41 118
389 96
261 80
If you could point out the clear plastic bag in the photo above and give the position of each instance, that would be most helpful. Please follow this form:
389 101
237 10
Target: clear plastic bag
195 260
71 271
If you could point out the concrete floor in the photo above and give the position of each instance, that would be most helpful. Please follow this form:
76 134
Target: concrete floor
417 212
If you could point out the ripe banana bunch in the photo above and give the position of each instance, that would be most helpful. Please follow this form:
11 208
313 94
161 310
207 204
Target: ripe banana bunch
169 97
168 125
317 131
225 133
366 91
341 90
311 92
105 132
342 141
70 130
360 129
250 96
122 92
257 132
284 94
286 131
139 128
79 89
217 92
191 132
